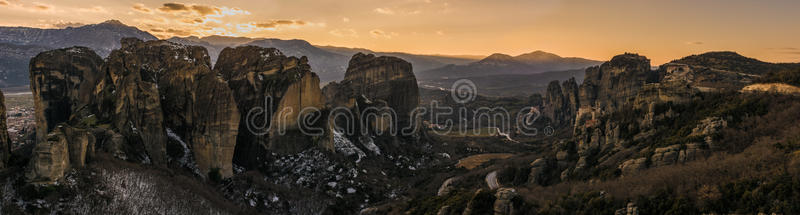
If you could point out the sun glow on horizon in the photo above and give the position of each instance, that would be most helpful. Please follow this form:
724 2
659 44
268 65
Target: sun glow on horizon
660 30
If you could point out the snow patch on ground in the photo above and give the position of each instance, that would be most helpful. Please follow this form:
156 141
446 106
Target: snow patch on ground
186 160
346 147
369 143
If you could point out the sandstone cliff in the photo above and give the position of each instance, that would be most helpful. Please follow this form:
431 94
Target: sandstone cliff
62 83
161 87
389 80
274 90
147 96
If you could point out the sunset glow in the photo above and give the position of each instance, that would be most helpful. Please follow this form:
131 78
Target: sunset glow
660 30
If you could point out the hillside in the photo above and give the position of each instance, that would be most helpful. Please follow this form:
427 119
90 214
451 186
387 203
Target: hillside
499 64
19 44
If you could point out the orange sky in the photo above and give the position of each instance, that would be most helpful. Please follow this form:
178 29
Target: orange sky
661 30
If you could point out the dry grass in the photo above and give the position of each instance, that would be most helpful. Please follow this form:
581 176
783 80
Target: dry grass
476 160
780 88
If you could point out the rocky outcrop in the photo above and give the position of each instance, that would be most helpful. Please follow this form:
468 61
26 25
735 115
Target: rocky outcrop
5 141
215 125
65 147
62 83
159 86
272 91
675 154
561 102
145 97
632 166
388 80
538 168
614 83
503 204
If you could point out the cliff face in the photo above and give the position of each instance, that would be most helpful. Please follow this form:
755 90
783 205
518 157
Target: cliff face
5 142
166 94
612 84
274 89
562 102
62 83
386 79
147 96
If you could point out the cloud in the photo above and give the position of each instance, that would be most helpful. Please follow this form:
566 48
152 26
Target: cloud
390 11
141 8
377 33
440 33
170 31
4 3
95 9
784 49
172 7
63 24
201 10
345 19
695 43
192 21
384 11
278 23
344 33
42 7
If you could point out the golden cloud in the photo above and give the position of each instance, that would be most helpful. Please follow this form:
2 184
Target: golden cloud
278 23
385 11
141 8
377 33
4 2
201 10
170 31
344 33
95 9
42 7
63 24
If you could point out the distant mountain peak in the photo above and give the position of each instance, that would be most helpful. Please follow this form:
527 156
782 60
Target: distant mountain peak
537 56
499 56
113 22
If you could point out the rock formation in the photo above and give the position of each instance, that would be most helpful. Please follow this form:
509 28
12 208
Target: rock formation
5 141
62 83
147 96
272 92
64 148
562 102
611 85
381 80
159 88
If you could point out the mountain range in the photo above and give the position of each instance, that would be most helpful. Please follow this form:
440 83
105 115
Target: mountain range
502 64
19 44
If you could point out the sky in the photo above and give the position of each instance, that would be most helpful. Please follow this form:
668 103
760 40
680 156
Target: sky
662 30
